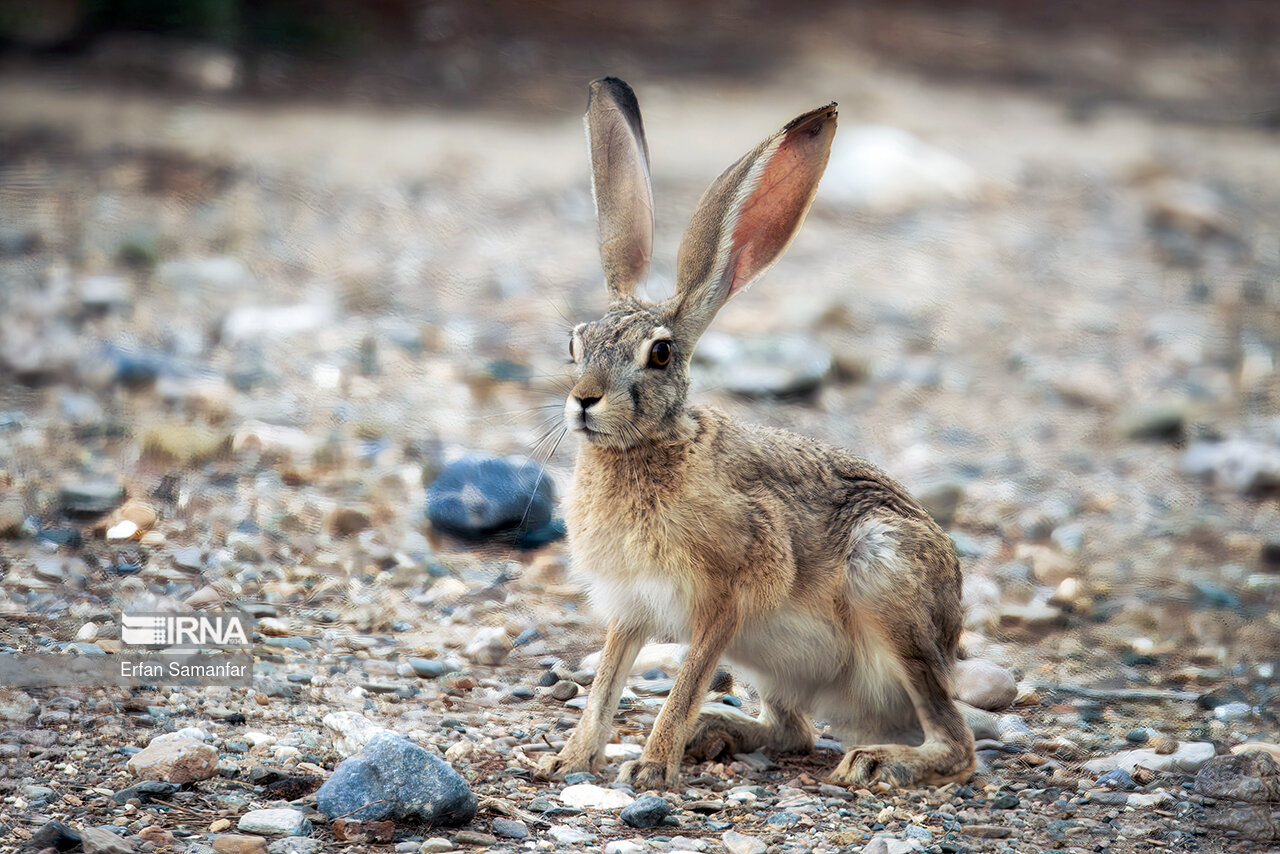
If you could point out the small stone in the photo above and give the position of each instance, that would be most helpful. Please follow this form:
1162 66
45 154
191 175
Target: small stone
474 837
566 835
12 514
762 366
181 761
1030 622
156 835
460 751
430 668
510 828
1272 750
146 791
1233 712
588 796
17 706
1117 778
1153 422
352 730
984 685
564 690
294 845
364 832
91 498
235 843
489 645
740 843
100 840
436 846
275 822
54 834
1004 801
219 825
348 521
646 811
1188 758
623 846
1163 744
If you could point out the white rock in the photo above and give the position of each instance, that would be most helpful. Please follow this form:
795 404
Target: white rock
122 530
490 645
250 322
889 170
187 733
740 843
88 632
351 730
460 750
1146 800
653 656
1188 758
588 796
622 752
274 439
180 761
276 822
984 685
623 846
566 835
259 739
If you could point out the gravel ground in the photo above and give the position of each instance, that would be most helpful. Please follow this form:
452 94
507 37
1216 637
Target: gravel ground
265 331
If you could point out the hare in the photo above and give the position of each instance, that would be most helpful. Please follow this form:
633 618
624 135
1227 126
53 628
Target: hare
807 568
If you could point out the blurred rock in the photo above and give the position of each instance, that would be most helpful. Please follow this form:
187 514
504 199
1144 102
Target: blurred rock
1048 565
888 170
185 444
12 515
1030 621
1164 422
220 274
394 778
1239 465
1187 758
352 731
984 685
646 811
1245 788
942 501
769 366
489 645
54 835
100 840
17 706
254 322
91 498
482 498
588 796
237 843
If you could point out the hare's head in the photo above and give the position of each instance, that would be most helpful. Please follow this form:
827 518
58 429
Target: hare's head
633 364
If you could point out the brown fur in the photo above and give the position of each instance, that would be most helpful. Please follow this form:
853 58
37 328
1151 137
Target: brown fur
809 568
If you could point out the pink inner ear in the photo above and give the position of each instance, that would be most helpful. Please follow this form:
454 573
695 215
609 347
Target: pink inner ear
771 215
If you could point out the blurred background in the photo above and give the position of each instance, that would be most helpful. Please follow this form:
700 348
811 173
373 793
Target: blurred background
268 267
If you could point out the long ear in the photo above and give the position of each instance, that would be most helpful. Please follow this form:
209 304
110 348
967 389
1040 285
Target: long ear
748 217
620 184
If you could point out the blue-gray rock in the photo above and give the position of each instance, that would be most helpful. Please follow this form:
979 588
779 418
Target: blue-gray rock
91 498
646 811
485 498
394 778
1117 778
146 791
430 668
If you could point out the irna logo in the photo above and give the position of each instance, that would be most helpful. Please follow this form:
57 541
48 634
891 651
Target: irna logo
211 629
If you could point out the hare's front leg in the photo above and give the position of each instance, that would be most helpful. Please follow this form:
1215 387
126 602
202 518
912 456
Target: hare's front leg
659 766
584 750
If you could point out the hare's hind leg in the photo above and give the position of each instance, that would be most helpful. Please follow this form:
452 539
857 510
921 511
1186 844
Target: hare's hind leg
914 621
723 730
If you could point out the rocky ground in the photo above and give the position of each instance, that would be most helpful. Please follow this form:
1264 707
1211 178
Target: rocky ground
238 344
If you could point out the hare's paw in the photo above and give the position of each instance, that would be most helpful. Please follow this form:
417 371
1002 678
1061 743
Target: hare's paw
718 734
897 765
644 774
567 761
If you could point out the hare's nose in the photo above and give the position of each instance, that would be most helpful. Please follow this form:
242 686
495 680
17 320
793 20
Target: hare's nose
586 402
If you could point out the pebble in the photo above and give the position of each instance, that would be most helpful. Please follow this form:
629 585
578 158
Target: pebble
236 843
482 498
740 843
177 761
17 706
1272 750
91 498
275 822
146 791
436 846
646 811
984 685
1242 466
406 781
567 835
294 845
510 828
430 668
54 834
1233 712
623 846
1188 758
101 840
588 796
489 645
564 690
762 366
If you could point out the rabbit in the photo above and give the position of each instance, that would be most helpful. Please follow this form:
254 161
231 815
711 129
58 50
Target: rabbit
808 569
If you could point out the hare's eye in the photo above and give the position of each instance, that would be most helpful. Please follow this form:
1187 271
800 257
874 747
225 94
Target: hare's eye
660 354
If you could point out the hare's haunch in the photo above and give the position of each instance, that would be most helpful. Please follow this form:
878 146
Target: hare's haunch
809 569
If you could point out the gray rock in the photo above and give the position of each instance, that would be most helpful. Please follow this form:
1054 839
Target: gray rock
769 366
430 668
102 840
91 498
1239 465
1244 788
275 822
393 778
293 845
647 811
740 843
146 791
984 685
16 705
510 828
54 834
506 498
